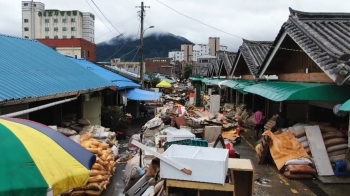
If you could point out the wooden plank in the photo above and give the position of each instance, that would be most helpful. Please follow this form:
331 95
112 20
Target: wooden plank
161 157
240 164
318 150
305 77
247 77
199 185
244 183
320 77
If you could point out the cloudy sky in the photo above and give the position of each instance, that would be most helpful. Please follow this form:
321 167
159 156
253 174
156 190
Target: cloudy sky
234 19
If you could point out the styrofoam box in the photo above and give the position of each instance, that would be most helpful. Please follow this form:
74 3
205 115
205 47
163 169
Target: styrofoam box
179 135
207 164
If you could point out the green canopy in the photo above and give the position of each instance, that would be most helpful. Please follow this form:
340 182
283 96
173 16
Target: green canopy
196 79
215 81
282 91
345 107
238 85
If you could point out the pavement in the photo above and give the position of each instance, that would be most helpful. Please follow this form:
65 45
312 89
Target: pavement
274 181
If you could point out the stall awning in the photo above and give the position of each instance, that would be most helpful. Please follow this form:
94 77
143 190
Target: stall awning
142 95
163 84
196 79
345 107
282 91
238 85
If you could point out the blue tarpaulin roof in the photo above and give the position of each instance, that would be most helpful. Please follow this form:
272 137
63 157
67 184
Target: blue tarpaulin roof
29 69
142 95
120 81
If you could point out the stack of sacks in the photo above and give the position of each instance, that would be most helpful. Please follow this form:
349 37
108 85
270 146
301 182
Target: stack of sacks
336 144
100 133
101 171
299 169
299 133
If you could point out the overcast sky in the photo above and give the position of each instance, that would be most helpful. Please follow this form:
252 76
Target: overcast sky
250 19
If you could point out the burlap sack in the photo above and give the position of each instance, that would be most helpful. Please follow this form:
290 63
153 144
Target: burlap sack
334 141
331 135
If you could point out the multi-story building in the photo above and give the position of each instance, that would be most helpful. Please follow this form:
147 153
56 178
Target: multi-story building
190 53
128 66
76 48
161 65
38 23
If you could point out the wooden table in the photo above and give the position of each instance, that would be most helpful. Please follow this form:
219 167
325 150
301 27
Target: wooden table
242 171
200 188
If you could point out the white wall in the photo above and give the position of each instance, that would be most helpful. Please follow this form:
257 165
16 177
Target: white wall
92 110
70 51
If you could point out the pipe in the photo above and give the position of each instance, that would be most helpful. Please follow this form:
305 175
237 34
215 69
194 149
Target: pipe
38 108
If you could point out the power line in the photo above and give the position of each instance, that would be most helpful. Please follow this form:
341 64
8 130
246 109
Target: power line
135 54
138 47
270 46
111 23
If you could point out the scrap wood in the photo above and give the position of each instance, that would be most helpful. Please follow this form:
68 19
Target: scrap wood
262 149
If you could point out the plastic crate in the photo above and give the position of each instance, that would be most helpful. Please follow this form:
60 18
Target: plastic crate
187 142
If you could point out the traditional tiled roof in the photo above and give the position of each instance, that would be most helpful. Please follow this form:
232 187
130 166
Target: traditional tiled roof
225 61
201 69
253 53
323 36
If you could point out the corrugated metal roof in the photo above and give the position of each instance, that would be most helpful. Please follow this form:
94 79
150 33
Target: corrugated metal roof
29 69
120 81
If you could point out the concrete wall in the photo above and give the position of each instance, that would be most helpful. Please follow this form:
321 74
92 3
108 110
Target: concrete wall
92 109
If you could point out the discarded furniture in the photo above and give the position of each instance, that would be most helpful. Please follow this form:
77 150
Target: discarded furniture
199 188
242 174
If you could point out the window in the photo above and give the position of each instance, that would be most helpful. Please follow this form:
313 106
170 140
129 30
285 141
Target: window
88 54
72 28
26 20
72 19
26 28
25 4
72 37
47 37
64 37
64 20
55 28
55 20
64 28
26 37
47 20
55 37
47 29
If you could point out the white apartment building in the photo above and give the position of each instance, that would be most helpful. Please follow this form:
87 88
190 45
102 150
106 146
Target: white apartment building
38 23
198 51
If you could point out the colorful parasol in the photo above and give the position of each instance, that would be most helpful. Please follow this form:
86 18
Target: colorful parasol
163 84
37 160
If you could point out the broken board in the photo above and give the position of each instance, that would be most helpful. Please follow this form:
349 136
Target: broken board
211 133
318 151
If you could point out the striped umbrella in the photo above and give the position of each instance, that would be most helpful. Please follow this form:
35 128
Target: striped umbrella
36 160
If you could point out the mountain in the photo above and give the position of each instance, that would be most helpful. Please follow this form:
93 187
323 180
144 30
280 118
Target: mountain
155 45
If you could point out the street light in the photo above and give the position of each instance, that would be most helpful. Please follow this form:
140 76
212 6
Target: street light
142 68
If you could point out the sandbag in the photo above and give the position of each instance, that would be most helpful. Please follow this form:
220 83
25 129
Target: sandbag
300 169
93 192
331 135
77 193
75 138
328 129
84 122
76 128
97 166
302 139
289 175
308 150
336 158
337 147
324 124
305 144
97 178
300 133
338 152
93 186
66 131
334 141
300 161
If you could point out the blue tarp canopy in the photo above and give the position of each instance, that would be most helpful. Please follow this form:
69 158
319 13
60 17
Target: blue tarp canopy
142 95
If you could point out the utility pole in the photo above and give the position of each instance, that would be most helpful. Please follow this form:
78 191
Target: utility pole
142 68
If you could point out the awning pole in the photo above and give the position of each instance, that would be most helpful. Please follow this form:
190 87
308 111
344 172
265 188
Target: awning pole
38 108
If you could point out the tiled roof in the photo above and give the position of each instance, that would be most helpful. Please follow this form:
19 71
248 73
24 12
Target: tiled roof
29 69
202 69
228 59
323 36
120 81
254 53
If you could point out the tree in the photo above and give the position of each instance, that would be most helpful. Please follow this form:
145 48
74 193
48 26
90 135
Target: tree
153 79
188 71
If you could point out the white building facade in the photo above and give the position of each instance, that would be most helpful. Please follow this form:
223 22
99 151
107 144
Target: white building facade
38 23
198 51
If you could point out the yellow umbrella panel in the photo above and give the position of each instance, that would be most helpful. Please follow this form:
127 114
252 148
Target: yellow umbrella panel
163 84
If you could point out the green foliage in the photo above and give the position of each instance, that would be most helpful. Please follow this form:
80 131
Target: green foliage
50 13
68 13
153 79
62 13
74 13
114 118
188 71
